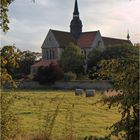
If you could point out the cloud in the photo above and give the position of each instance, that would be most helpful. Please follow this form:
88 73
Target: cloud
30 22
26 37
43 3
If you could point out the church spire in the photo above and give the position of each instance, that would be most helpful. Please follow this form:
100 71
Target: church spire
76 24
76 12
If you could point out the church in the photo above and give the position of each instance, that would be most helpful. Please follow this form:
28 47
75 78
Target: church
56 41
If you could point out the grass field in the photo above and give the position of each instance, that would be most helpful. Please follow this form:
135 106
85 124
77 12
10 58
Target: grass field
78 113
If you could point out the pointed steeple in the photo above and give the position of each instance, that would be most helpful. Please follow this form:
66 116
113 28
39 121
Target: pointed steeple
76 12
128 36
76 24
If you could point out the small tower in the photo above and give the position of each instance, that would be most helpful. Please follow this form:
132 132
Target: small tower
128 36
76 24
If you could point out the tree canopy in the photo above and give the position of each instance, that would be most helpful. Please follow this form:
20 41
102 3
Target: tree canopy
9 56
4 14
124 71
72 59
27 58
110 52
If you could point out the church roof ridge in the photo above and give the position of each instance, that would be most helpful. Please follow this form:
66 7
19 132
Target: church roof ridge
91 31
63 38
114 38
59 31
112 41
70 33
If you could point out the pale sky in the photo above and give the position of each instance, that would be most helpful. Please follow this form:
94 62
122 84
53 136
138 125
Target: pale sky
30 22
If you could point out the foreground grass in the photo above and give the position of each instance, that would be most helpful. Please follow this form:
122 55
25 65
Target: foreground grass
33 109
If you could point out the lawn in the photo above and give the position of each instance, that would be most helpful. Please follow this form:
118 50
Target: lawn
63 111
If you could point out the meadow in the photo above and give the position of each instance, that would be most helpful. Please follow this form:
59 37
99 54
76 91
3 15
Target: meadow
60 112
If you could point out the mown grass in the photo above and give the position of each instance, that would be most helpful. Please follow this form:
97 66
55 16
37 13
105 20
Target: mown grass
32 108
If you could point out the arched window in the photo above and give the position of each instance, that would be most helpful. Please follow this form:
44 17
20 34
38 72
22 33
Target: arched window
50 54
83 51
47 55
53 54
49 38
99 43
85 54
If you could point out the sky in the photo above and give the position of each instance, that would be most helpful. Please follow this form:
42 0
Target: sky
30 22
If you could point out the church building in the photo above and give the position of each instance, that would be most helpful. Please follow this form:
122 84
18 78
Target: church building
56 41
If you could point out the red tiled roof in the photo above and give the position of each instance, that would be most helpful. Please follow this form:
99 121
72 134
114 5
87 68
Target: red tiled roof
45 63
86 39
63 38
114 41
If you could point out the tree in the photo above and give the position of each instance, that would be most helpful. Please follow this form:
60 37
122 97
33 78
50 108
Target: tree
27 58
124 72
111 52
72 59
9 56
4 14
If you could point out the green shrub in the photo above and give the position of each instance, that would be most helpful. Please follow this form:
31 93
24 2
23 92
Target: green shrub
82 77
69 76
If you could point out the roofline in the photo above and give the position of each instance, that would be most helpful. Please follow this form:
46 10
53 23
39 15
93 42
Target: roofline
34 65
91 31
59 31
115 38
69 32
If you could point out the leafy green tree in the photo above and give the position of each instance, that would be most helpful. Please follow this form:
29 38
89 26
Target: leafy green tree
3 14
72 59
27 58
111 52
69 76
124 71
9 56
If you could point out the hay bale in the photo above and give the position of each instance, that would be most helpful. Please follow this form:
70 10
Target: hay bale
90 92
78 92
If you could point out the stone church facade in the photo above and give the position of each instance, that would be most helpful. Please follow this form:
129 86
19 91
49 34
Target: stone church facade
56 41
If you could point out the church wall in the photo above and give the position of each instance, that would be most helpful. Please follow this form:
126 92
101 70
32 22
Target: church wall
85 51
88 50
50 47
59 52
98 42
97 85
49 53
50 41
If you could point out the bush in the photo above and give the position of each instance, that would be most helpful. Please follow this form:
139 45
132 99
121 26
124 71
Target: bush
82 77
69 76
49 74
